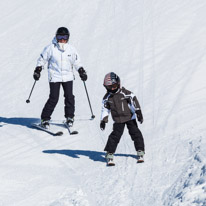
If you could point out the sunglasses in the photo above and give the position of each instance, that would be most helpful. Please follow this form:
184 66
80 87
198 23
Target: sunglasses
60 37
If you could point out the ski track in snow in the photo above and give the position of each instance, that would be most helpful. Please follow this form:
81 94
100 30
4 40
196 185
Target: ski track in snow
190 187
158 50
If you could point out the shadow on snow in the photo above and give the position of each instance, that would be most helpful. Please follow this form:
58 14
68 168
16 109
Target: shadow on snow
22 121
93 155
27 122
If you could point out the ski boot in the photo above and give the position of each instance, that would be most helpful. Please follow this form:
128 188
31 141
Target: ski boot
45 124
69 121
140 156
110 159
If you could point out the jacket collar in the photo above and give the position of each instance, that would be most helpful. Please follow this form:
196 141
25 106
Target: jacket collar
117 92
54 41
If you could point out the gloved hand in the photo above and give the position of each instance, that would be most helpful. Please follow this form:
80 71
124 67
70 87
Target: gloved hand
139 116
102 125
82 74
37 72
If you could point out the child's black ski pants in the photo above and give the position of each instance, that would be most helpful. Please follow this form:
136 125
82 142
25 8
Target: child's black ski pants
118 129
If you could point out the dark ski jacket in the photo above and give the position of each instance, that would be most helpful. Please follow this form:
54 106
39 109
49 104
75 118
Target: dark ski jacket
121 104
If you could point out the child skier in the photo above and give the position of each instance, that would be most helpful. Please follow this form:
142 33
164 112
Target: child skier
124 108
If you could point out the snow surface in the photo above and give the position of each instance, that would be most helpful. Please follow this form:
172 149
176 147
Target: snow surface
158 48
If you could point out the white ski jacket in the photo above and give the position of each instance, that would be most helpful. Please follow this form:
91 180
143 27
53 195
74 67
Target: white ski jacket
61 61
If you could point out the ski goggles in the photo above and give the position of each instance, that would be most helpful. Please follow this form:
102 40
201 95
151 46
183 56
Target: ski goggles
112 87
60 37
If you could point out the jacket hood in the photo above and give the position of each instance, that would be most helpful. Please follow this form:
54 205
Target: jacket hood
54 41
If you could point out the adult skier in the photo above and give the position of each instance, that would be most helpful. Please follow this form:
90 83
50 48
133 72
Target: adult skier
61 58
124 108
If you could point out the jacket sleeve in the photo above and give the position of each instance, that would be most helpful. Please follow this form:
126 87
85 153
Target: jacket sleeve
105 112
132 100
44 57
135 103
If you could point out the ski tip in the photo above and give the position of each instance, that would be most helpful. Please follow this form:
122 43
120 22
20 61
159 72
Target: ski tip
59 134
74 132
140 161
110 164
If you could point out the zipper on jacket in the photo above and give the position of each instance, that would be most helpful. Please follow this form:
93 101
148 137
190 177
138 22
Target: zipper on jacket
61 65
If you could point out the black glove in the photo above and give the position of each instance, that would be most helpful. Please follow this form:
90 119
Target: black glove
82 74
139 116
37 72
102 125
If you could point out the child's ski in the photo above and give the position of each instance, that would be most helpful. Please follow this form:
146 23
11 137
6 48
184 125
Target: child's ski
140 156
38 126
110 162
110 159
140 160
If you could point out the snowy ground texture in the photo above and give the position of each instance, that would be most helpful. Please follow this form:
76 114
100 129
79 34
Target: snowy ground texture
158 48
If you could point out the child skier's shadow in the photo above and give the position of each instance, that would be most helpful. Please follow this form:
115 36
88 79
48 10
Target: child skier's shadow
22 121
93 155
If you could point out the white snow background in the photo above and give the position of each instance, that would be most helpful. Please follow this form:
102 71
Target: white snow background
158 48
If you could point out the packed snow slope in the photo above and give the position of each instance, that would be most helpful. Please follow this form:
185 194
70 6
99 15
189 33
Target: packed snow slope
158 48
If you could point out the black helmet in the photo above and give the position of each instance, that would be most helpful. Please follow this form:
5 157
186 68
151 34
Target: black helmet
62 31
111 82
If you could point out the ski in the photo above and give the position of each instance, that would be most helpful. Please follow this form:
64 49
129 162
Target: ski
70 130
140 156
140 160
38 126
110 159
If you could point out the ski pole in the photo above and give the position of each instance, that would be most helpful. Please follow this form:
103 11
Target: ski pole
28 101
92 117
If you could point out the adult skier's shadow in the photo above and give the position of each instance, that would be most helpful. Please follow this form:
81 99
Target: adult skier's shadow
22 121
93 155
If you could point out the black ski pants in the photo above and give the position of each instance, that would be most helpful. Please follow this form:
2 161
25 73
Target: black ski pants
118 129
54 97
